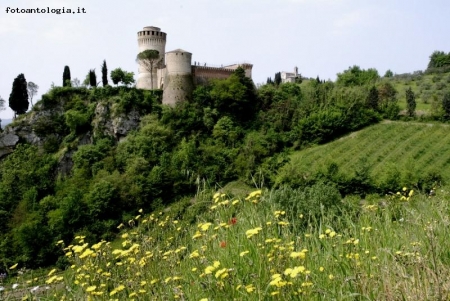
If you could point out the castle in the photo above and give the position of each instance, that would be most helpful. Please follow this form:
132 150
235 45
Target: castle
174 72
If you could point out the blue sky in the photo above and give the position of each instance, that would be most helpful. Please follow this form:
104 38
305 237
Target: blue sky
321 37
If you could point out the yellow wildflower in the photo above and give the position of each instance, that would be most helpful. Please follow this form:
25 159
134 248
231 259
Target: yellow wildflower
91 288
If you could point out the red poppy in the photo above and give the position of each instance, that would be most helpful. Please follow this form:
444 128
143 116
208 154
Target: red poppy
233 221
223 244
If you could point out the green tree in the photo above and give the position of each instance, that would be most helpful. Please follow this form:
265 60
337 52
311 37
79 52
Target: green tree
372 100
104 74
410 102
225 131
446 106
439 59
18 99
128 78
120 76
32 90
149 59
277 78
66 77
388 102
235 96
92 78
355 76
389 73
117 76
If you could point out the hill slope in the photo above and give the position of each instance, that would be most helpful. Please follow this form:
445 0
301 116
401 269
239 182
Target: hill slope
407 152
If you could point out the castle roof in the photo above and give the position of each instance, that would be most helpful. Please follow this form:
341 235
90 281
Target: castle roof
178 50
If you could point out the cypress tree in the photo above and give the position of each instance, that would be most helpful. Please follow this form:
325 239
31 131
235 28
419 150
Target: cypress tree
410 102
92 78
104 74
277 78
66 77
18 99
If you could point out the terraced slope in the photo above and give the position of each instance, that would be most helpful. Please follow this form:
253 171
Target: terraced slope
411 150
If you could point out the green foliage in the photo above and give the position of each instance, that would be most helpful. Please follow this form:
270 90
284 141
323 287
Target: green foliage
235 96
228 131
387 98
411 102
18 99
312 203
120 76
225 131
66 77
389 73
355 76
26 176
92 78
373 99
446 106
378 159
104 74
77 121
88 156
277 78
439 59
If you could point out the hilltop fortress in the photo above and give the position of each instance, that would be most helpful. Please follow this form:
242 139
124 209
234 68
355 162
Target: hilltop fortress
174 72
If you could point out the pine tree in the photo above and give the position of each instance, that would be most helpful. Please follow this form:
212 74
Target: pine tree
104 74
410 102
18 99
66 77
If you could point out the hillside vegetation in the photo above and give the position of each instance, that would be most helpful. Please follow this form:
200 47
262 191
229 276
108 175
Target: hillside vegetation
382 157
85 174
281 245
84 160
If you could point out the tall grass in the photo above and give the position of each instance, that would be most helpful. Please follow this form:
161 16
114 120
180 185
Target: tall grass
248 249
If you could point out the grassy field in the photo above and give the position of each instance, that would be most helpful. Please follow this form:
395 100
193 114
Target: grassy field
250 249
410 149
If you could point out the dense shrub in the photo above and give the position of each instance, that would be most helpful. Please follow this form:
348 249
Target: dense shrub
302 205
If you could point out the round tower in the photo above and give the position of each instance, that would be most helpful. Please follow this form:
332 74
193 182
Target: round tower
151 38
178 83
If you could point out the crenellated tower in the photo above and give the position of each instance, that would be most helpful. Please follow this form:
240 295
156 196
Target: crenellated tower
151 38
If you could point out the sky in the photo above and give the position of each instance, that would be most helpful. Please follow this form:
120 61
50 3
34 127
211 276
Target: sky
320 37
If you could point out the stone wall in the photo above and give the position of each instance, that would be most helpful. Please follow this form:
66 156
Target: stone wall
203 74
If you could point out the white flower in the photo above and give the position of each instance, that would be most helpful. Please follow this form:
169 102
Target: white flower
34 289
15 285
2 288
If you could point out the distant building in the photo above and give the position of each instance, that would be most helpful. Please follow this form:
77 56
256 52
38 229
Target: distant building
289 77
174 73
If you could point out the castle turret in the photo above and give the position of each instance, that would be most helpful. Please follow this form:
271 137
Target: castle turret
178 82
151 38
